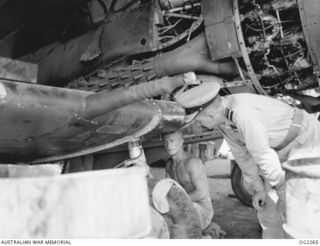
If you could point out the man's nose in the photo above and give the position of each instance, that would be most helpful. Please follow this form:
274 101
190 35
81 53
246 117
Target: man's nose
169 145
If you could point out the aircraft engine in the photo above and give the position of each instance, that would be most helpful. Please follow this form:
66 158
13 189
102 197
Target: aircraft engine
275 44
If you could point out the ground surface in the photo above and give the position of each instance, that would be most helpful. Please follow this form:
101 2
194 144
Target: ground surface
238 220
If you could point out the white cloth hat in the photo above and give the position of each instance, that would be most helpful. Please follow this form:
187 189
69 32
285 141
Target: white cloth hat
198 95
159 194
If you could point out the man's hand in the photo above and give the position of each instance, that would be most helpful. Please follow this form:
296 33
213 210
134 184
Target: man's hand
259 200
190 78
214 231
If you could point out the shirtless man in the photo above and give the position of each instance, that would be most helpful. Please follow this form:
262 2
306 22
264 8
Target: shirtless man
190 173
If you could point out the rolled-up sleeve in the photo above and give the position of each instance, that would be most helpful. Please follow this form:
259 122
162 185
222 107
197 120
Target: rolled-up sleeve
257 144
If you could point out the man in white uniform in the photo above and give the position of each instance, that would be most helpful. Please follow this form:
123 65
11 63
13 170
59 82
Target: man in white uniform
262 132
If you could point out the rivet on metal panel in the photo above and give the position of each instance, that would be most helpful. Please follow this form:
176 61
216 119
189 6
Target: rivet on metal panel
30 139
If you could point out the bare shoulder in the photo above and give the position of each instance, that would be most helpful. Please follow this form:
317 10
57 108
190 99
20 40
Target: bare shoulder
193 161
168 162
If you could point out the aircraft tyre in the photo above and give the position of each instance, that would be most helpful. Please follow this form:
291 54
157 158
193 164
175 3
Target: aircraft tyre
239 186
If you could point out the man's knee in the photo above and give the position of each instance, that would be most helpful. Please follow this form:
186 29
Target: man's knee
205 214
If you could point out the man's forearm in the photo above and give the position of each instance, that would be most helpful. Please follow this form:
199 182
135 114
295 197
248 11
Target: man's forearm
269 165
257 185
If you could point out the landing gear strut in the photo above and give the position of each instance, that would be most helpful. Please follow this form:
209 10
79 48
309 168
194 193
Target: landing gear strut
136 154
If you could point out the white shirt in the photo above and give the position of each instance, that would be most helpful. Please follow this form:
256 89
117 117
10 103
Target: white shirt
259 124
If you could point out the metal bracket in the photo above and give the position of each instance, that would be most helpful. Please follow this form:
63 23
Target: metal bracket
18 70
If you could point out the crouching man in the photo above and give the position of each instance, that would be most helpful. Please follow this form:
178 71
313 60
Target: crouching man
190 173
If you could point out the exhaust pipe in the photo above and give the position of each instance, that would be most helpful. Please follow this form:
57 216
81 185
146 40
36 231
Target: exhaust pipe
99 103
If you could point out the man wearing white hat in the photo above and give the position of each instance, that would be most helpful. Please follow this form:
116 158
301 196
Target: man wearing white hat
262 132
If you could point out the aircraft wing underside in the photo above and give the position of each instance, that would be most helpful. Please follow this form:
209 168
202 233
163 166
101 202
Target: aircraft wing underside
43 124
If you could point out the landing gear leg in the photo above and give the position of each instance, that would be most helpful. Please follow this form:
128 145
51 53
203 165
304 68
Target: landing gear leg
136 153
137 156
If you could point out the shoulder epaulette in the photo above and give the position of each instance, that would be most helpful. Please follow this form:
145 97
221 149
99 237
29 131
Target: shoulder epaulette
228 113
